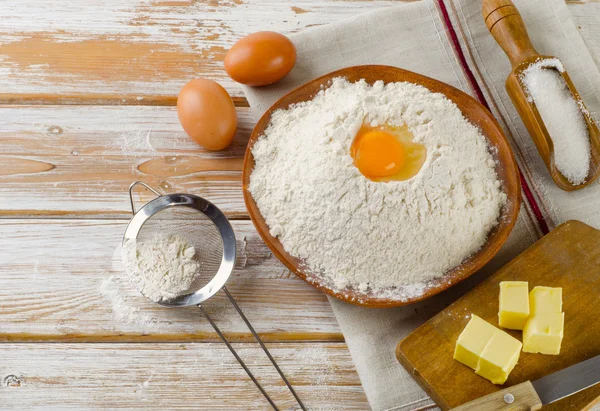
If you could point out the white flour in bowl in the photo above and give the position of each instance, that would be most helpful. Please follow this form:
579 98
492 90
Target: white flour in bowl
374 236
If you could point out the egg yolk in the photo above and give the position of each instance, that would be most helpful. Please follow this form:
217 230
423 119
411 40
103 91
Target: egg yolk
378 154
387 153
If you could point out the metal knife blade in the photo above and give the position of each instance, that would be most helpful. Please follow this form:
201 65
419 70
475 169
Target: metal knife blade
568 381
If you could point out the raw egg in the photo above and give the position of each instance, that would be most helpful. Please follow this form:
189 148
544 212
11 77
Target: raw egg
261 58
387 153
207 113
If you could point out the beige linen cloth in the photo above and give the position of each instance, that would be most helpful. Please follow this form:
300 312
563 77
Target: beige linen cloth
446 40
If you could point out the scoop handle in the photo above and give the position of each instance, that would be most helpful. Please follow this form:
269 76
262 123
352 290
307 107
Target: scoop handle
506 25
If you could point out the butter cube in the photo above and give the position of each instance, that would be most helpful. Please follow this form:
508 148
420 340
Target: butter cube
473 340
499 357
543 333
514 304
543 299
491 352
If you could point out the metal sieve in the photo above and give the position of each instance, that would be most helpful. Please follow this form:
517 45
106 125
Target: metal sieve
205 227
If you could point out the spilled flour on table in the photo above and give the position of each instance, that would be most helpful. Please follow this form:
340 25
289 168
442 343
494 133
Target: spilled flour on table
123 312
117 290
132 139
323 374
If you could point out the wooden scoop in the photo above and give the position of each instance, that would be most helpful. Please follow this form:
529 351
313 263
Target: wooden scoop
506 26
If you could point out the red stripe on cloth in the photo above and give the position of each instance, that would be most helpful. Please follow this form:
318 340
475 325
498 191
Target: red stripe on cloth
543 225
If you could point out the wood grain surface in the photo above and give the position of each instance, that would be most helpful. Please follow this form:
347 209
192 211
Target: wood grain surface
80 160
174 377
47 294
110 48
104 51
568 257
87 91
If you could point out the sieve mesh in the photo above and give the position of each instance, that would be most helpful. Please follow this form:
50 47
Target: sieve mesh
197 230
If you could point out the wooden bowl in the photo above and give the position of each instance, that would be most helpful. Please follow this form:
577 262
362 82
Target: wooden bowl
477 114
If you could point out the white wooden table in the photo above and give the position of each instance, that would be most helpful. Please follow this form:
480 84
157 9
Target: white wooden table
87 95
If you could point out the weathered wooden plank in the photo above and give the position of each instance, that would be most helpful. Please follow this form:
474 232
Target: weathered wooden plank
67 160
117 145
143 48
174 376
62 280
107 51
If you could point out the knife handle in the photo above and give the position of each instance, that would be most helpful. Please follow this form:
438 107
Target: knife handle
520 397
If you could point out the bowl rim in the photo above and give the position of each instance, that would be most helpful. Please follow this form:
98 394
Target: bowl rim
506 167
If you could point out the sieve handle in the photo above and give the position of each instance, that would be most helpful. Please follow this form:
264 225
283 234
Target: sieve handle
237 357
264 348
132 186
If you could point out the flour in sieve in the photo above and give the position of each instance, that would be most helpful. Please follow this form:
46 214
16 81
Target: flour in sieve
373 236
161 268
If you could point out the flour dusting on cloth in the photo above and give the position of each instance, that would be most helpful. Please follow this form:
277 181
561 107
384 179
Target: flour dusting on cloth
391 238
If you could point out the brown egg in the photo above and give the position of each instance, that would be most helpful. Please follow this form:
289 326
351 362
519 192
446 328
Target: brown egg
207 113
261 58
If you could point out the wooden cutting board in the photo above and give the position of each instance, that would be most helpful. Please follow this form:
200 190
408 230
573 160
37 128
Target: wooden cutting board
568 257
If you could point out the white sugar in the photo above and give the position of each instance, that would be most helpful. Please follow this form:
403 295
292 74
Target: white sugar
562 117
